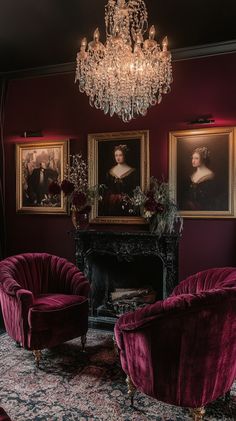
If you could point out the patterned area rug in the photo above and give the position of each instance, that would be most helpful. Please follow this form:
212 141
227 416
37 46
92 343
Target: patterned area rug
75 386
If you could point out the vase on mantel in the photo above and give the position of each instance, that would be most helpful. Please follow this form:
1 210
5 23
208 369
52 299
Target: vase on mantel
157 225
80 220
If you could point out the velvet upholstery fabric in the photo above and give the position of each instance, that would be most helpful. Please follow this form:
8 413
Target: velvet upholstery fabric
3 415
182 350
44 299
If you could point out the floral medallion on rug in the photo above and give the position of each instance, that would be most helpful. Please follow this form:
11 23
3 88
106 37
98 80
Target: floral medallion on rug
74 386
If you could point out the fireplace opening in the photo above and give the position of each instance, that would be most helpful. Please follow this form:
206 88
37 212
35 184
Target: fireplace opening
118 286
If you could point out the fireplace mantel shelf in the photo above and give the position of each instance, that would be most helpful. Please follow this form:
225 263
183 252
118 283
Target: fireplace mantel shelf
125 245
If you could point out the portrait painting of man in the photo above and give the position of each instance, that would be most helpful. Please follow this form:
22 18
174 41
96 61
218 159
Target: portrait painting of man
119 164
38 165
201 172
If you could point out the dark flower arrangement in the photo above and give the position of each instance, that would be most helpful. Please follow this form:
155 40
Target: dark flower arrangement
75 186
156 206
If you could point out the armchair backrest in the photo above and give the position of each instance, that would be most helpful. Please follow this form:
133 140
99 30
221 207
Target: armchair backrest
210 279
38 272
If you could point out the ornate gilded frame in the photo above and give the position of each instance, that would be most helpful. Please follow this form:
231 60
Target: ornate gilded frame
28 156
221 141
142 138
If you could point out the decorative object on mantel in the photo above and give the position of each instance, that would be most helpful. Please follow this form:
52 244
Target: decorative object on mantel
127 74
157 207
75 187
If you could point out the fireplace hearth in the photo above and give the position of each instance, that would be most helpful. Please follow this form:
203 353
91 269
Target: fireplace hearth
126 270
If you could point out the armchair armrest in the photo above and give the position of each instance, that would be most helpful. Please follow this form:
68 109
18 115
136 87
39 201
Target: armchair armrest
25 297
9 285
173 305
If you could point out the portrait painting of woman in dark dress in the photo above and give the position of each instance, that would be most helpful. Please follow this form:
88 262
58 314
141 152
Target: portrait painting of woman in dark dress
202 172
201 193
120 179
118 162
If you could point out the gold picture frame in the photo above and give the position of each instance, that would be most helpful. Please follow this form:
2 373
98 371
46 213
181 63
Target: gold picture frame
37 164
202 172
102 163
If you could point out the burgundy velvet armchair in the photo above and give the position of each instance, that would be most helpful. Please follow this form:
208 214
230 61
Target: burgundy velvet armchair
44 300
3 415
182 350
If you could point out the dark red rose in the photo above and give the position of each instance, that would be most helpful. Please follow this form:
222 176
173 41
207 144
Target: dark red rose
67 187
54 188
150 204
79 199
150 194
87 209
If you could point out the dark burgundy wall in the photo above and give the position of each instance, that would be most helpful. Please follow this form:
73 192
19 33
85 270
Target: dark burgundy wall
54 105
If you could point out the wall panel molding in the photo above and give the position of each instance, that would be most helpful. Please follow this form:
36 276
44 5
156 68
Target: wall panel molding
178 54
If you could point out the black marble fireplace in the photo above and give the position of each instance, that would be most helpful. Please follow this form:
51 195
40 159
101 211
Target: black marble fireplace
125 269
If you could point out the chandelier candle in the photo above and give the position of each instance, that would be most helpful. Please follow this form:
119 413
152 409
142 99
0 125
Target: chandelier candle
127 74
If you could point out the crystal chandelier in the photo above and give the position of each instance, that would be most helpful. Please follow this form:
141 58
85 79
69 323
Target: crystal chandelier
127 74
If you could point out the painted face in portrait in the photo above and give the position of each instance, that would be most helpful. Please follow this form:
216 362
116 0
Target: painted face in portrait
200 157
119 156
196 160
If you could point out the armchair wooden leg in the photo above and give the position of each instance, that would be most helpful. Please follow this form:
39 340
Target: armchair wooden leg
131 389
37 356
198 413
83 342
116 349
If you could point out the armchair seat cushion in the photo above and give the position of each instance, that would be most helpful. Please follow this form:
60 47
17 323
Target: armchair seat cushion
51 310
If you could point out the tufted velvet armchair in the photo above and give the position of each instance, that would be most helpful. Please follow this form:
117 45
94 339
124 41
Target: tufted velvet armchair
3 415
182 350
44 300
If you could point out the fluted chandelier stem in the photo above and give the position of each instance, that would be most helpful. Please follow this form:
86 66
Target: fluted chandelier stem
127 74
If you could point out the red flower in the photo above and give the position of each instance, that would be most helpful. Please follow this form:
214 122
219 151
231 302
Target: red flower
79 199
67 187
54 188
152 206
150 194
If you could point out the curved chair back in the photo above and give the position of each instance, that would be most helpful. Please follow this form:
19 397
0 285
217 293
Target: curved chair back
38 272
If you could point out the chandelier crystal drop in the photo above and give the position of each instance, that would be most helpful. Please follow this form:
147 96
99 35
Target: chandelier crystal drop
127 74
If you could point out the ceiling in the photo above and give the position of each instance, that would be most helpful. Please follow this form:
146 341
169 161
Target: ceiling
48 32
